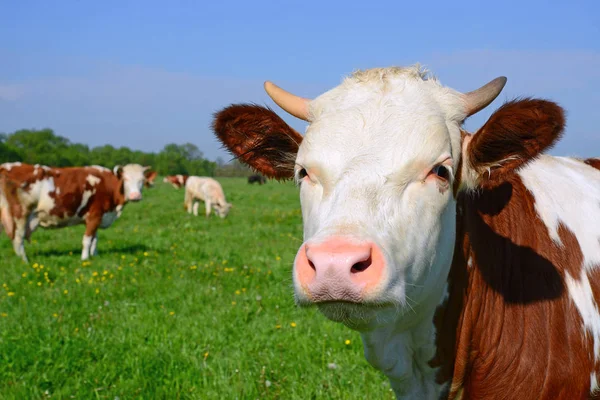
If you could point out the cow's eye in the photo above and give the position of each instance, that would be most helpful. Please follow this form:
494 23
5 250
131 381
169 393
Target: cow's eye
302 173
441 171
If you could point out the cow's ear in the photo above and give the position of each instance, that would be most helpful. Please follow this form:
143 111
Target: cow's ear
514 135
258 137
149 174
118 171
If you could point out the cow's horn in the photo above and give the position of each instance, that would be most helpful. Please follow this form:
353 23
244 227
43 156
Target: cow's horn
295 105
478 99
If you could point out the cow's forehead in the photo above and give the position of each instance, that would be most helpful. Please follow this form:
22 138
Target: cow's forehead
387 117
134 170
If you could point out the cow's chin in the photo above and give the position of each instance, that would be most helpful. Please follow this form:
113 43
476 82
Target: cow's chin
358 316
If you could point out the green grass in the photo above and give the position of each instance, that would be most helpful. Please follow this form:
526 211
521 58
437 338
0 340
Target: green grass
174 306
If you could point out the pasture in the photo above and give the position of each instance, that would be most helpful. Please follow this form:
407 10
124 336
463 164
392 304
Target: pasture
174 306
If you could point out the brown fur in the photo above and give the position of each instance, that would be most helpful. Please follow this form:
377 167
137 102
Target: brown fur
258 137
515 134
150 177
509 322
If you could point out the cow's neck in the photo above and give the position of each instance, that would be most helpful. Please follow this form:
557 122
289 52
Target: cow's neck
403 352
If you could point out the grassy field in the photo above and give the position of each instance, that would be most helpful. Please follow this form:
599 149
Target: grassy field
174 306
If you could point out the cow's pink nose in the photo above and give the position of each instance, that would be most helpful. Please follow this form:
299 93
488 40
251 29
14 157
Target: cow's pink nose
135 196
339 269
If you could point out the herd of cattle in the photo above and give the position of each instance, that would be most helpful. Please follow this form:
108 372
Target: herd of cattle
33 196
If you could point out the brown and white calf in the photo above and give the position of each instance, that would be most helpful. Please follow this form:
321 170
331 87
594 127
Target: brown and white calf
178 181
470 263
35 195
207 190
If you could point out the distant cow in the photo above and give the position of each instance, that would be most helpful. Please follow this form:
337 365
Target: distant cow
257 178
35 195
469 263
178 181
207 190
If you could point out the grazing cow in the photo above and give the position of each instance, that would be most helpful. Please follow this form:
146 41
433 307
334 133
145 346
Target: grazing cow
469 263
34 195
178 181
257 178
207 190
150 177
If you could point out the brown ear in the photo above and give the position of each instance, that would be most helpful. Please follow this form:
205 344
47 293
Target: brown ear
150 175
514 135
258 137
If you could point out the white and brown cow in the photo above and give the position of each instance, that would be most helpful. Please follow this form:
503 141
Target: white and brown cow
208 190
35 195
470 263
178 181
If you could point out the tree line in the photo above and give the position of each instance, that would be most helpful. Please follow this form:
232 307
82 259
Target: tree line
47 148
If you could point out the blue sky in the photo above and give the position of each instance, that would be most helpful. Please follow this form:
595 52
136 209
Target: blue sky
146 73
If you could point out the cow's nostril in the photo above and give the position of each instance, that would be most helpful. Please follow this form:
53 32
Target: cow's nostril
361 265
312 265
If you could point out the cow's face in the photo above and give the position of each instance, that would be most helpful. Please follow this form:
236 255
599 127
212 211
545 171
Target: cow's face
134 177
378 170
222 209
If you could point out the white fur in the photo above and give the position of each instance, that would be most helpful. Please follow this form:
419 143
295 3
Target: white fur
100 168
86 244
9 165
583 297
567 191
92 180
593 383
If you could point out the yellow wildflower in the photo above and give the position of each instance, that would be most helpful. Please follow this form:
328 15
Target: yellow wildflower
11 293
3 315
293 324
65 291
172 313
347 342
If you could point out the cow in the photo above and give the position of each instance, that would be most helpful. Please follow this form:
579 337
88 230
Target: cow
207 190
257 178
150 177
469 263
177 181
36 195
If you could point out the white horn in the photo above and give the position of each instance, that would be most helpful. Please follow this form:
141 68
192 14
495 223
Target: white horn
295 105
478 99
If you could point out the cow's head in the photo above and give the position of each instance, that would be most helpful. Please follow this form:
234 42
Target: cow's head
178 181
134 177
222 209
379 168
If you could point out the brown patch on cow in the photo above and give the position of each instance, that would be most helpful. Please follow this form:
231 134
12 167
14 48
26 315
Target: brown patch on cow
510 328
258 137
514 135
